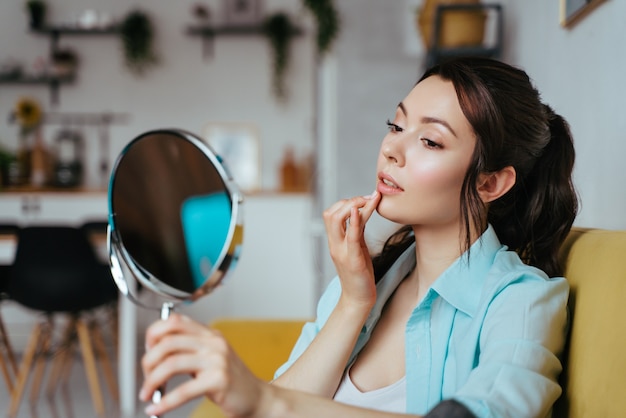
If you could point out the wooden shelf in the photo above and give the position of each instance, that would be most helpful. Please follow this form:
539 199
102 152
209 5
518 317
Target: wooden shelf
76 30
53 82
209 32
54 32
49 189
36 79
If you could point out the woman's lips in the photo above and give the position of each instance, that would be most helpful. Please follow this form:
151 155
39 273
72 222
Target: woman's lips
387 185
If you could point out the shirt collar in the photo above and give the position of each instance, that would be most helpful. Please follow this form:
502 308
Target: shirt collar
460 284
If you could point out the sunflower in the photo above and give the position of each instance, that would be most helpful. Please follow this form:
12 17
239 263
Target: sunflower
27 113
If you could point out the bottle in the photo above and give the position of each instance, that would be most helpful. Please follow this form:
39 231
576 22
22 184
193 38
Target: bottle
289 172
38 161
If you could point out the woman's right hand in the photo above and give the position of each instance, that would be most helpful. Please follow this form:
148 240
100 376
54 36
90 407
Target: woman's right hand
345 228
181 346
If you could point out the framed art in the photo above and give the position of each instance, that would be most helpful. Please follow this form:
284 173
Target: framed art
238 146
242 12
574 10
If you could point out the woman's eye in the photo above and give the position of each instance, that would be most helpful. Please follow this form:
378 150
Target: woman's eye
393 127
431 144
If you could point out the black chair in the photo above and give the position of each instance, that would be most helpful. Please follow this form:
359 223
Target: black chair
8 365
56 272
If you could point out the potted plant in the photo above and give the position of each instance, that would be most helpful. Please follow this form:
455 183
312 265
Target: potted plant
137 34
64 62
279 31
36 12
7 158
459 28
328 23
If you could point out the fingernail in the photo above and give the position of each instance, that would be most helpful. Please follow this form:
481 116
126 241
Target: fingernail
371 196
150 410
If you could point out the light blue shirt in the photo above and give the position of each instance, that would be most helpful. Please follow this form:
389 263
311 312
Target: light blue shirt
487 333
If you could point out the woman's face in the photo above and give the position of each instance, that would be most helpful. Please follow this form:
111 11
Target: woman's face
424 157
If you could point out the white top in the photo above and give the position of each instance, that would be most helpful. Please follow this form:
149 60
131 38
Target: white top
390 398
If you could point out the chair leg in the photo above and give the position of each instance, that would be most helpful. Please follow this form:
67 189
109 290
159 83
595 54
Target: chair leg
22 375
61 365
7 362
6 373
107 368
90 366
40 361
6 352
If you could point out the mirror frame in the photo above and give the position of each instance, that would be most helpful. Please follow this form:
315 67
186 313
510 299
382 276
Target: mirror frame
121 262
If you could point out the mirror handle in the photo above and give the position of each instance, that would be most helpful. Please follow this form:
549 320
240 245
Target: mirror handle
166 310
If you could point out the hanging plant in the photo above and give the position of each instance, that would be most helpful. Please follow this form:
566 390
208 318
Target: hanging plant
137 35
328 23
279 30
37 13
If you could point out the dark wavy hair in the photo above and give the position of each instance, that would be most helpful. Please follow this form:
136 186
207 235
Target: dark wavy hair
513 128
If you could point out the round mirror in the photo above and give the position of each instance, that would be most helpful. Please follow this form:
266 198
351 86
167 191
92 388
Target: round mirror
174 218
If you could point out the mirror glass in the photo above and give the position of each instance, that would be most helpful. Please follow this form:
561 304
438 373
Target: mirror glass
174 218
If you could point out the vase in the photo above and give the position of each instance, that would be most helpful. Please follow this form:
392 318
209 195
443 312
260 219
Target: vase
39 162
459 28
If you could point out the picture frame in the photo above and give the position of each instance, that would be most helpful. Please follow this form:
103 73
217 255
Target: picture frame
573 11
238 146
242 12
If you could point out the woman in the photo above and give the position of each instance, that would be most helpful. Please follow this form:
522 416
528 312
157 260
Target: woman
462 311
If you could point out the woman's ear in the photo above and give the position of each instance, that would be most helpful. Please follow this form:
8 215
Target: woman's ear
492 186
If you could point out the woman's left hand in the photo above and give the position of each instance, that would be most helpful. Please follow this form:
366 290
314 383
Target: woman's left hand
180 345
345 229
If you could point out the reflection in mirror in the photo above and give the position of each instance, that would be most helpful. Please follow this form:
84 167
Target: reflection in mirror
171 207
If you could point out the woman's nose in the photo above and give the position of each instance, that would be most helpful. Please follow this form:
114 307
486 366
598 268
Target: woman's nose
392 151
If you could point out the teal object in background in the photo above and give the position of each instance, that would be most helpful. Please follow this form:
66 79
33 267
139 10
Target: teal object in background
205 222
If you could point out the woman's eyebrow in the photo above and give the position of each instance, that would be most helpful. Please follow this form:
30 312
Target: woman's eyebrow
402 108
429 119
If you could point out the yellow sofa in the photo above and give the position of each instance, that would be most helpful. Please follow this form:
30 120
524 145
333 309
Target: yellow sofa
263 345
594 378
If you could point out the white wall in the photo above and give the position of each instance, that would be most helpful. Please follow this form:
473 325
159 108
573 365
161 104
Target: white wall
185 91
580 72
